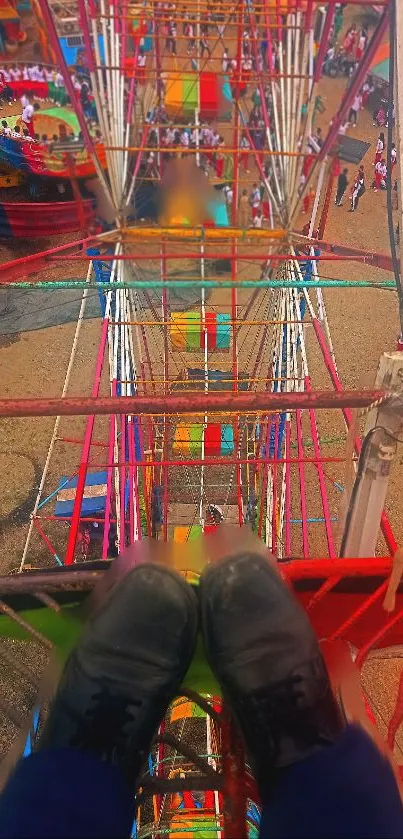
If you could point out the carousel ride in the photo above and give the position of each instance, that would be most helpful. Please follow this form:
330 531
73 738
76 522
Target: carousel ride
204 407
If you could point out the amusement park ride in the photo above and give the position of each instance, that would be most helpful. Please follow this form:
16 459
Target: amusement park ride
204 410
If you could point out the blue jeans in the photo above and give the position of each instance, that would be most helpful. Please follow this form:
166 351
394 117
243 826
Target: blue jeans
345 791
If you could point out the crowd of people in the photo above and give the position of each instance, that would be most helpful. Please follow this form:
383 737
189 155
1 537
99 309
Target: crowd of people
351 50
55 90
257 133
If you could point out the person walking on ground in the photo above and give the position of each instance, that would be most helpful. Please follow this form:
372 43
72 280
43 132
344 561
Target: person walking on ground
27 117
342 184
190 34
361 44
245 147
393 156
354 110
258 219
244 209
204 47
379 148
317 774
380 175
225 61
255 199
349 40
357 190
6 93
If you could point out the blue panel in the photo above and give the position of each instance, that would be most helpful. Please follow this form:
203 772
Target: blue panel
89 506
223 332
227 439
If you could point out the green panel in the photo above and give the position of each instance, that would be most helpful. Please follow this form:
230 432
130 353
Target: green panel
196 436
199 676
193 331
63 629
189 89
63 115
195 531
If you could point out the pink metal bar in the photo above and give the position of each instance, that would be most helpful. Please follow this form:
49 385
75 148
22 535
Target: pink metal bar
301 475
321 477
123 478
108 501
287 512
82 472
385 524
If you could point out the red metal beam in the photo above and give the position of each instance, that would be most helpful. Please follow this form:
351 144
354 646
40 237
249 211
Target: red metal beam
146 256
196 403
315 569
378 260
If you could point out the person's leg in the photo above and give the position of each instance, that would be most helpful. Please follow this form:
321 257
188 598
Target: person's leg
346 791
315 777
116 687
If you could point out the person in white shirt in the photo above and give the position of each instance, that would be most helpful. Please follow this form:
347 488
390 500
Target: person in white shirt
49 75
255 199
354 110
379 148
225 61
245 146
215 140
59 80
25 75
207 135
24 100
380 175
76 82
15 73
32 71
258 219
141 66
7 75
5 129
40 74
185 138
229 196
27 118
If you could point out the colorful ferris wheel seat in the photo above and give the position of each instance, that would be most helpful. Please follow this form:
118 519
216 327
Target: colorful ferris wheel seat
187 534
212 96
218 439
194 378
94 498
187 333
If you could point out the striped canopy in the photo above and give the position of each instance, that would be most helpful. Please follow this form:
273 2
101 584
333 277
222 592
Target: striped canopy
380 64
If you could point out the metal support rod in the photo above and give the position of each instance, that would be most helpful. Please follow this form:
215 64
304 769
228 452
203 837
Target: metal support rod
193 284
197 403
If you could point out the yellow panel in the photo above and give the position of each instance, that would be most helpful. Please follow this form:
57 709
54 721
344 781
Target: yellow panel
181 443
174 93
7 181
178 330
181 534
181 710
